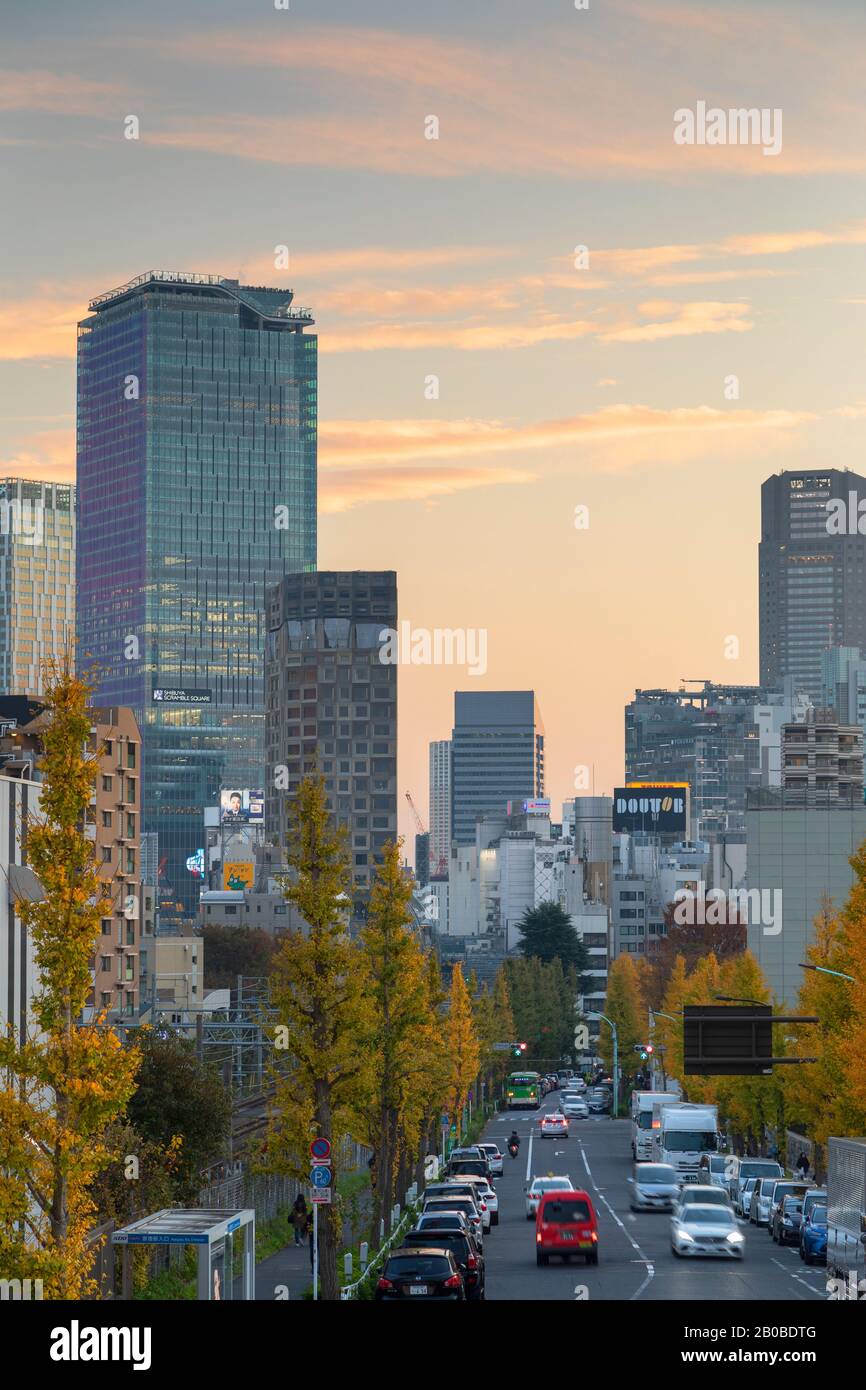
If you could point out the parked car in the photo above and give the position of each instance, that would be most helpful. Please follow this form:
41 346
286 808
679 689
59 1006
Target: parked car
759 1211
487 1199
786 1187
554 1126
494 1159
598 1102
815 1197
566 1225
421 1273
743 1204
444 1221
787 1219
704 1229
813 1236
465 1204
464 1248
476 1167
653 1187
538 1186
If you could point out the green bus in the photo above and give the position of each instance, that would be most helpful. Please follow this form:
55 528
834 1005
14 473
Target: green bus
523 1090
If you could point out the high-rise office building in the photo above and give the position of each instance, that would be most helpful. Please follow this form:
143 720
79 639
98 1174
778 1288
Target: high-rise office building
440 806
196 491
37 580
812 562
497 755
332 708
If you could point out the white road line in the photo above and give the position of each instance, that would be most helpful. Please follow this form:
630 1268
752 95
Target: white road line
819 1293
633 1243
529 1158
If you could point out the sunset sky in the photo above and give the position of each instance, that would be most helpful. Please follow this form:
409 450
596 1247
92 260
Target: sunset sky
559 387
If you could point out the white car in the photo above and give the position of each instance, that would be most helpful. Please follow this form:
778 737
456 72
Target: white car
575 1108
486 1198
553 1125
704 1230
693 1194
551 1183
494 1158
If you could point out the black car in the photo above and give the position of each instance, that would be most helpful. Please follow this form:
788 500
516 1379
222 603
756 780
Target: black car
463 1247
787 1219
425 1272
782 1189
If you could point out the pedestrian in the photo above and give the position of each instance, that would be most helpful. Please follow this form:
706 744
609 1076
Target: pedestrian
299 1217
803 1165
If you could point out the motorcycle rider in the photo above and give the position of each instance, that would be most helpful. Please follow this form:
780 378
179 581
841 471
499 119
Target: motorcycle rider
514 1140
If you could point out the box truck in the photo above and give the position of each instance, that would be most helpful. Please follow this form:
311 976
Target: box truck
685 1133
642 1121
846 1218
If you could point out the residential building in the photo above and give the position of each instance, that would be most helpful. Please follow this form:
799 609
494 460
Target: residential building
37 580
19 802
440 807
332 708
822 761
196 492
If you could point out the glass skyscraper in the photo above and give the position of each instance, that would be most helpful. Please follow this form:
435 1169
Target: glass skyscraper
37 580
497 756
196 491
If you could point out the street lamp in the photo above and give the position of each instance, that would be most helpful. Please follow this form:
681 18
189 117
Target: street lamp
737 999
824 970
612 1026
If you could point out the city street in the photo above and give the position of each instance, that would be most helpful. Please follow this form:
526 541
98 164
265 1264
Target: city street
635 1260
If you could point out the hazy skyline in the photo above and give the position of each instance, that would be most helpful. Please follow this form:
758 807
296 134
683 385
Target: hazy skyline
559 387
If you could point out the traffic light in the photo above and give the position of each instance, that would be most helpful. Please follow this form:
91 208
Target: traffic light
518 1049
645 1050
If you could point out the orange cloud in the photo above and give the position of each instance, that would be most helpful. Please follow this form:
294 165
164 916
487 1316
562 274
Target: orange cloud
685 321
51 91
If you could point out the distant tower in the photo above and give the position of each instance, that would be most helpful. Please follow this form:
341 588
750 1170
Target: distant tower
440 806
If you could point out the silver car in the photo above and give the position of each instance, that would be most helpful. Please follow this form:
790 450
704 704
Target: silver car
654 1187
702 1195
494 1158
759 1210
706 1230
743 1204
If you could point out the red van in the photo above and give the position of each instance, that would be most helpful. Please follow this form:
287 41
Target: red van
566 1224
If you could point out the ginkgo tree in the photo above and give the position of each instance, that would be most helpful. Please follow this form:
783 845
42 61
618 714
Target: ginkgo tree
65 1083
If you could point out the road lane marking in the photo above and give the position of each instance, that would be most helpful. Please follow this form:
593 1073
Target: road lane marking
633 1243
819 1293
529 1159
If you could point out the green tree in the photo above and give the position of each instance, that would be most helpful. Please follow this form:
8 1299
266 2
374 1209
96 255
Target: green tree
548 934
319 993
233 951
68 1080
181 1097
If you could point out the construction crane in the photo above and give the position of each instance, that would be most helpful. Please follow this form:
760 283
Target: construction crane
418 821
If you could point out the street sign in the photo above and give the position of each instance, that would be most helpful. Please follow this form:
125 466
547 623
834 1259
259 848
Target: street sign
320 1149
322 1196
320 1176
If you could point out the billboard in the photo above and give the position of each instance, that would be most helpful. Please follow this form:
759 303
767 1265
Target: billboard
660 810
240 806
238 875
165 696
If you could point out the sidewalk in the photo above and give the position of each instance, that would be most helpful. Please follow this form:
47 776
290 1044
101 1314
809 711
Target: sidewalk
289 1269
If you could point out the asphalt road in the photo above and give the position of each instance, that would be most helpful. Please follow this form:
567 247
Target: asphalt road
635 1260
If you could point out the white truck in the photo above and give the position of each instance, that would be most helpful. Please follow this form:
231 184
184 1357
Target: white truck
846 1218
642 1103
684 1133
